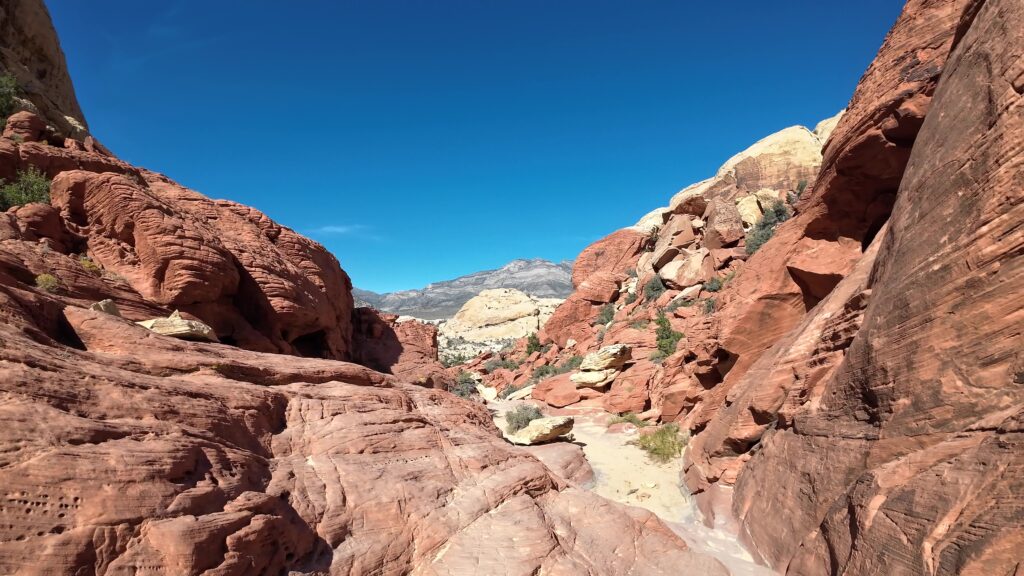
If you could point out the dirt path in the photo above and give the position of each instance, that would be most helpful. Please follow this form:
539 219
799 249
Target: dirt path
623 473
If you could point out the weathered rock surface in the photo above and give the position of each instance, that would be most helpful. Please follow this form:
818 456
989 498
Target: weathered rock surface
175 326
398 345
194 457
908 442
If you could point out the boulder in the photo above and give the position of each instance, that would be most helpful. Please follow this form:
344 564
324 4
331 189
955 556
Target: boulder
616 252
600 287
724 224
593 379
176 326
694 268
608 357
749 208
24 125
543 430
558 391
107 306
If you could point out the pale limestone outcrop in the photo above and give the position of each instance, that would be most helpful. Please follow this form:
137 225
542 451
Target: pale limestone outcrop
492 319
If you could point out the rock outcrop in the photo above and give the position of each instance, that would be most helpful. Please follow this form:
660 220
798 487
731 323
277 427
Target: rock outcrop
31 53
399 345
492 320
853 386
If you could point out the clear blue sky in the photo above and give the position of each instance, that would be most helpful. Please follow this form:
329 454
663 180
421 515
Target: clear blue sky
422 140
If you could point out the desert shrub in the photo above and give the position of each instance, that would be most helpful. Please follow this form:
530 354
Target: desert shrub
8 89
668 338
498 363
545 371
679 303
572 363
465 385
630 298
652 239
664 444
532 343
713 285
511 389
639 324
453 360
657 357
653 289
630 418
600 336
631 272
47 282
709 305
520 417
89 266
776 214
30 186
605 315
544 349
800 187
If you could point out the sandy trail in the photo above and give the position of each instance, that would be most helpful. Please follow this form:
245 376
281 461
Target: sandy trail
623 473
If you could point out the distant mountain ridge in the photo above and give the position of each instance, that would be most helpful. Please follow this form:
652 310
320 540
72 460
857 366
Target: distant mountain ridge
439 300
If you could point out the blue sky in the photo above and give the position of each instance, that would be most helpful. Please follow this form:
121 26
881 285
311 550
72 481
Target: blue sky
422 140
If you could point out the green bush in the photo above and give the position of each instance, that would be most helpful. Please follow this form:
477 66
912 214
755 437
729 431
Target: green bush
657 357
31 186
709 305
532 343
664 445
520 417
631 272
605 315
713 285
572 363
679 303
498 363
90 266
545 371
630 418
453 360
548 370
776 214
668 338
8 90
653 289
631 297
465 385
652 239
47 282
639 324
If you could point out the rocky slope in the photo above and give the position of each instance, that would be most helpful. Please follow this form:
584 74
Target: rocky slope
129 452
854 387
439 300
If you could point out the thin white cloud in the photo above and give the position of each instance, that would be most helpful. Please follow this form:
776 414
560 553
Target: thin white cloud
353 230
339 229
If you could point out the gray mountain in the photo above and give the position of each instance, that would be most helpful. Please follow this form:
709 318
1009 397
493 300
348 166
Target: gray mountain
537 277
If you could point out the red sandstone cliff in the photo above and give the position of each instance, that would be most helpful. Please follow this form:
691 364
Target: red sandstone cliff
858 378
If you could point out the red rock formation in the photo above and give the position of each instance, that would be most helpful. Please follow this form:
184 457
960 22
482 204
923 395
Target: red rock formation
910 442
407 348
148 452
613 253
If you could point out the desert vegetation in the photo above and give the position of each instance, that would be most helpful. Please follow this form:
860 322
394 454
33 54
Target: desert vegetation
520 417
30 186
